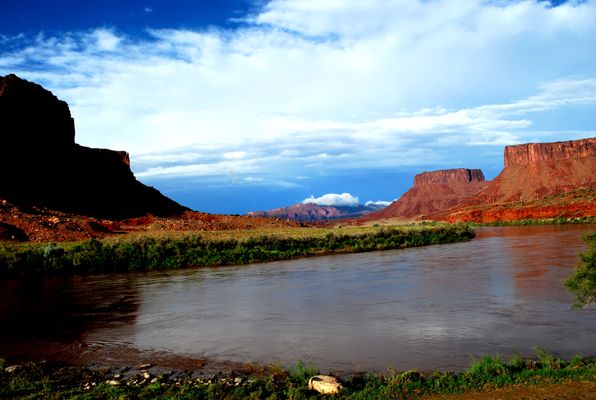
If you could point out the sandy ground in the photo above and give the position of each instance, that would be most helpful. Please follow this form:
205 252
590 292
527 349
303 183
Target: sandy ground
43 225
560 391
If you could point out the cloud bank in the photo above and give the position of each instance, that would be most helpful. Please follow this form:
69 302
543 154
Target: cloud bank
333 199
311 87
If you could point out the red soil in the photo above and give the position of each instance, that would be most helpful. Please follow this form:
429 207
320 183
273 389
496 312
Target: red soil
43 225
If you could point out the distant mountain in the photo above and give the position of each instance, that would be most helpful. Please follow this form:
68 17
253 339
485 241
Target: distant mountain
314 212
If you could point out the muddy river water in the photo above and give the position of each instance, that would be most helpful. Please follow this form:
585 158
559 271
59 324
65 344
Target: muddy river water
429 308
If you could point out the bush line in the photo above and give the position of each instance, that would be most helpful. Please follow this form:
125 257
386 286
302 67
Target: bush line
152 253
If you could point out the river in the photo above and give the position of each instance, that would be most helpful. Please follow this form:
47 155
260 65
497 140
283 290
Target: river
432 307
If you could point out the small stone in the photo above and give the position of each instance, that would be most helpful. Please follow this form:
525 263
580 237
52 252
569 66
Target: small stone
146 375
238 381
145 366
113 382
154 380
12 368
324 384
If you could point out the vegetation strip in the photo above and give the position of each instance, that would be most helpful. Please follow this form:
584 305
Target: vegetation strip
540 221
156 252
41 380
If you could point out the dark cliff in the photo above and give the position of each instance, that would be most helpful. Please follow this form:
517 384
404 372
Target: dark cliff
40 163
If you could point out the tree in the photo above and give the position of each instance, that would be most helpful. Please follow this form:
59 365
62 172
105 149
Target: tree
583 281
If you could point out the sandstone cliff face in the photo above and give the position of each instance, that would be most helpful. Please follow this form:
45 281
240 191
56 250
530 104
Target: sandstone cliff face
433 192
533 172
449 177
40 163
313 212
533 153
536 170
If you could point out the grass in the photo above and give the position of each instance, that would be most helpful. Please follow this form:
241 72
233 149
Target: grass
152 252
39 380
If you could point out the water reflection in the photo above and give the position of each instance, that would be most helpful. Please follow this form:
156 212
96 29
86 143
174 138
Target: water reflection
38 313
430 307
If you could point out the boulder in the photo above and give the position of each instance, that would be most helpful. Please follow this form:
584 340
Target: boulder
11 233
324 384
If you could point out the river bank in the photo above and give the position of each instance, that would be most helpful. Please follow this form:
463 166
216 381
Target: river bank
540 221
177 250
46 380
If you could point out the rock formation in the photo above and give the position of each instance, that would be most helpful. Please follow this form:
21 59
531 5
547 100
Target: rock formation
432 192
448 177
41 164
534 172
535 153
314 212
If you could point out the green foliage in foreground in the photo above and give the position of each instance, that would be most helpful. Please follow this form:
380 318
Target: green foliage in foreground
148 253
34 381
583 281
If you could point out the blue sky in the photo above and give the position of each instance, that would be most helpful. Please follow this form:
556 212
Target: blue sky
232 106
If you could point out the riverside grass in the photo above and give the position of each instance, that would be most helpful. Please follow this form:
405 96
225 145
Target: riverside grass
541 221
40 380
163 251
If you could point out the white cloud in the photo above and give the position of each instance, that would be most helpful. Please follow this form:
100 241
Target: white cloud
148 9
106 40
314 86
234 155
333 199
251 179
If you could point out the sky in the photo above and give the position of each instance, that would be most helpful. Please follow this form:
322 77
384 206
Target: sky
232 106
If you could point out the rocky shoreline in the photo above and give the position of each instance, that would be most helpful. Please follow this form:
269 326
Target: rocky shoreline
52 380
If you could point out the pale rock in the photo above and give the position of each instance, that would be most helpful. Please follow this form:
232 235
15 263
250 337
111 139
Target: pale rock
324 384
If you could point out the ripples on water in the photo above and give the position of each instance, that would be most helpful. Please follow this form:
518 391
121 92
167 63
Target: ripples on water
430 308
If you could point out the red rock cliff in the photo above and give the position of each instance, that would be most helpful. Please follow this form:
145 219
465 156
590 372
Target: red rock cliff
533 172
532 153
449 176
40 163
433 192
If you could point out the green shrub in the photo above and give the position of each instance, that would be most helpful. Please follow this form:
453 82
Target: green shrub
583 281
